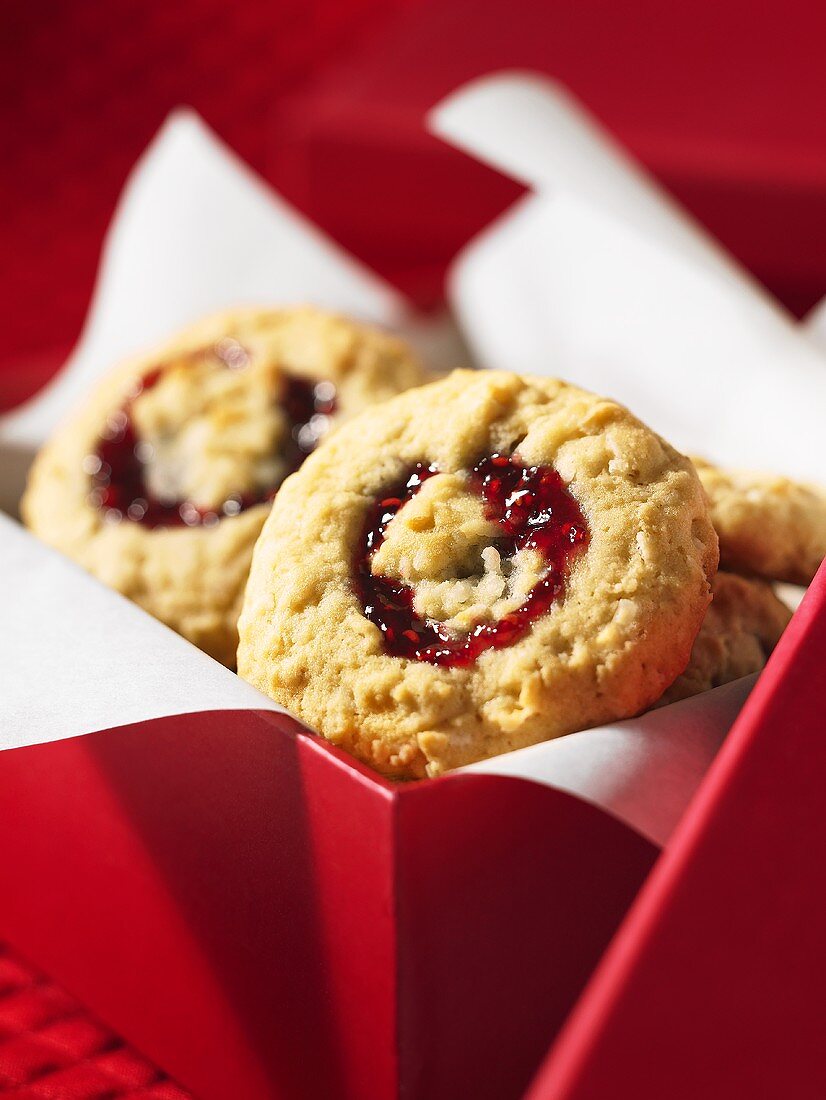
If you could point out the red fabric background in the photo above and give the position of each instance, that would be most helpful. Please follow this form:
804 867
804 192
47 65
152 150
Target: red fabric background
52 1049
86 85
724 101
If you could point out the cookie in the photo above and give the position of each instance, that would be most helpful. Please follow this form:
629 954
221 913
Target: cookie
768 526
740 630
160 483
483 563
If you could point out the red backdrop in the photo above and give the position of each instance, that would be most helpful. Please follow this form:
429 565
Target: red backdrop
725 101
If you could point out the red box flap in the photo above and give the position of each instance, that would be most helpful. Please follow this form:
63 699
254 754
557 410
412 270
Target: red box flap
714 984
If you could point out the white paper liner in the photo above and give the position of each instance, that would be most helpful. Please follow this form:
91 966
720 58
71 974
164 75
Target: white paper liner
814 324
196 231
77 657
532 129
596 280
645 769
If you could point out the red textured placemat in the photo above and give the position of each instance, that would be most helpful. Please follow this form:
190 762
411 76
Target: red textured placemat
52 1049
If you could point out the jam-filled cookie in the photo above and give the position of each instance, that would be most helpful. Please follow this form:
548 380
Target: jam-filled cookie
160 483
768 526
486 562
740 630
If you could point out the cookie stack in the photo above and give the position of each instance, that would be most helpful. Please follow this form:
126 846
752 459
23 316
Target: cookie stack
441 572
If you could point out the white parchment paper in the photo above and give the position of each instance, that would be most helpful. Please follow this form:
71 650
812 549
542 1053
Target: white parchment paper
596 279
644 769
814 324
197 231
77 657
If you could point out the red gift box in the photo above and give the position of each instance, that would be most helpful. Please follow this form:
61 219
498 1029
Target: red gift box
714 984
298 926
301 927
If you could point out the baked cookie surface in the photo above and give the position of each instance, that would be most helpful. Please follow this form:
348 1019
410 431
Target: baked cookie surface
768 526
160 483
741 628
486 562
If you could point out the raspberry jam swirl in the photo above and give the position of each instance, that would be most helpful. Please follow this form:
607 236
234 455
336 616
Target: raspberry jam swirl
534 511
118 466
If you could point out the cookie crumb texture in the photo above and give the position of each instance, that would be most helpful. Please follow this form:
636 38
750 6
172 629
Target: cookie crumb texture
210 419
740 630
620 632
769 526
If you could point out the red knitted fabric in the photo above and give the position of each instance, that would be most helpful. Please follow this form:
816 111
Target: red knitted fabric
52 1049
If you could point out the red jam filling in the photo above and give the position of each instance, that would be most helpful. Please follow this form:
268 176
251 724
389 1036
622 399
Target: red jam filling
118 466
534 511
